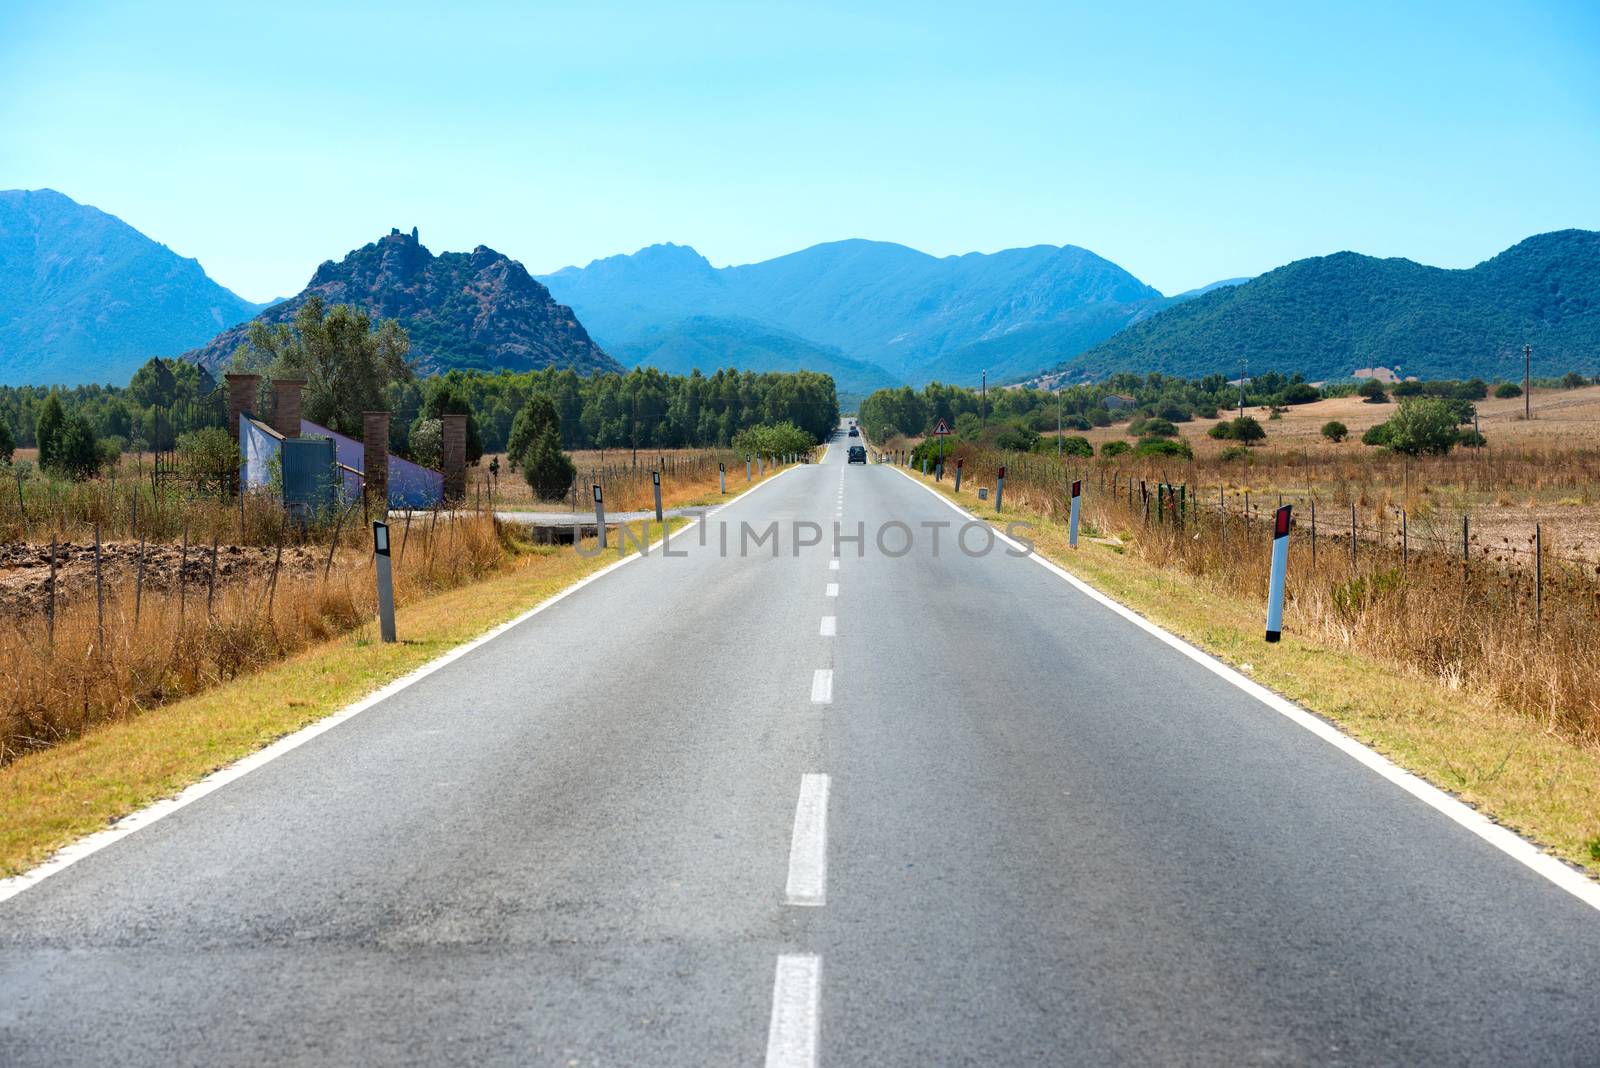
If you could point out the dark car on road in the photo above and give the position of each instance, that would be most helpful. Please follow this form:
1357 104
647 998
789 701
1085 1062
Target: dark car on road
858 454
854 432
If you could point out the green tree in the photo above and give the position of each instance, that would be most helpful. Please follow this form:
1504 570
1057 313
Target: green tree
8 443
1113 449
1507 390
427 443
76 454
47 430
548 470
348 364
210 457
1247 430
1573 380
1372 392
1422 426
445 399
1178 449
1077 445
1335 431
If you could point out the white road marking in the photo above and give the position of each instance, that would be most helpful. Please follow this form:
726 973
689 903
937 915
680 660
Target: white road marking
1508 842
158 810
830 626
796 1022
808 848
833 565
822 686
833 589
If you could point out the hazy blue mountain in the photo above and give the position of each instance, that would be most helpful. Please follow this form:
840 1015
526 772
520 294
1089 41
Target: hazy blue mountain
84 297
916 316
709 342
1324 317
1190 294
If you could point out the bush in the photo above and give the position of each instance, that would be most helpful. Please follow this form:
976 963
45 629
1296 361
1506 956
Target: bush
1157 428
772 439
1222 431
1471 439
426 443
1300 393
1335 431
1507 390
76 453
1237 452
1246 429
1164 447
1017 439
1376 435
1112 449
1075 422
1077 445
1173 413
1100 417
1372 392
1422 426
8 443
1573 380
1408 389
209 456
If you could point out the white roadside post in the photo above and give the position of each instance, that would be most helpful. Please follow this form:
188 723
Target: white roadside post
380 549
1280 567
722 476
747 469
599 515
1072 528
761 465
959 462
1000 488
655 479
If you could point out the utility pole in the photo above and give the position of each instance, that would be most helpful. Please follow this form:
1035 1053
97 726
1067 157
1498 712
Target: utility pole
1058 421
1527 382
1244 373
983 398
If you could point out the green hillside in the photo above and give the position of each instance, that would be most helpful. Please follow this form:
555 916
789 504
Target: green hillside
1328 316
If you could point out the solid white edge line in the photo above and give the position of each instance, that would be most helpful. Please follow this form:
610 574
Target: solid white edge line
1502 838
808 846
139 819
822 686
829 627
796 1020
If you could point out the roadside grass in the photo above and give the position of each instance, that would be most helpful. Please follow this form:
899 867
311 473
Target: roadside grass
1462 740
53 796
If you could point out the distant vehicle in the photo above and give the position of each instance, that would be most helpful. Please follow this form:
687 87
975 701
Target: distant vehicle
854 432
858 454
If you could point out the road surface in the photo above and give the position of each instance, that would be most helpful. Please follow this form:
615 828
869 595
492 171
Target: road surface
865 809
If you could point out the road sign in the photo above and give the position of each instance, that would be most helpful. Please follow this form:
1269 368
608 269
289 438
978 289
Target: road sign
941 429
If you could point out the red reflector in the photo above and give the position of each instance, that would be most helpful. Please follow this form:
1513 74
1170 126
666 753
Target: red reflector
1282 527
1002 472
1077 486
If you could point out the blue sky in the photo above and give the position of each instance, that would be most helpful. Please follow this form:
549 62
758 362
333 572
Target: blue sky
1187 142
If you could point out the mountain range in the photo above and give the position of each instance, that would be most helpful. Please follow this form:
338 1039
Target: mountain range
895 314
473 310
84 297
1326 316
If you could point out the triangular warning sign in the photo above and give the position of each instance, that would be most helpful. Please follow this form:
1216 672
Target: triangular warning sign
941 429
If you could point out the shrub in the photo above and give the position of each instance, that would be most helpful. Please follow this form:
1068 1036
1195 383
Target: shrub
1372 392
1100 417
1408 389
1113 449
1237 452
1164 447
1077 445
1246 429
1174 413
76 453
426 443
1573 380
1471 439
8 443
1507 390
1158 428
1335 431
1075 422
1300 393
1422 426
1376 435
209 456
1222 431
1017 439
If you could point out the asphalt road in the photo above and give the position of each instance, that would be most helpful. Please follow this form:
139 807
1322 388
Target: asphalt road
740 809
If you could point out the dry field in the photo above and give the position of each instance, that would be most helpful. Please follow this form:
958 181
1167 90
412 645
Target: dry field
686 474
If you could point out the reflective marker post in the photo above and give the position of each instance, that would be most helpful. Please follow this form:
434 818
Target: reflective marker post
747 469
959 462
1280 566
722 476
655 478
999 488
1072 529
599 515
380 549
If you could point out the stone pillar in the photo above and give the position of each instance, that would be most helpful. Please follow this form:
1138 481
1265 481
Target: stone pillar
375 460
286 405
241 399
453 446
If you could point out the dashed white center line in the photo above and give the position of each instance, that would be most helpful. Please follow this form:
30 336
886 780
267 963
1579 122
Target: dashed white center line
796 993
833 565
833 589
822 686
808 849
830 626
